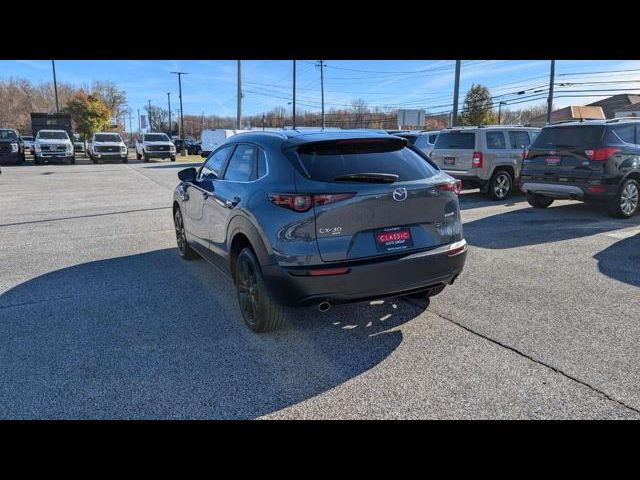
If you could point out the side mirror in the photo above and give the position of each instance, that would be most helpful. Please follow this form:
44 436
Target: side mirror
188 175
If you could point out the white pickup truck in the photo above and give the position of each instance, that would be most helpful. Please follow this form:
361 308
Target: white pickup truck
53 145
155 145
107 146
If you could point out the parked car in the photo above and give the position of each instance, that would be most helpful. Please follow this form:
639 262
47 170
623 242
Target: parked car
107 146
424 140
191 146
212 139
11 146
319 218
155 145
594 160
53 145
28 143
489 158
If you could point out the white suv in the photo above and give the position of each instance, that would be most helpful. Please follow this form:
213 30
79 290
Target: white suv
155 145
106 146
53 145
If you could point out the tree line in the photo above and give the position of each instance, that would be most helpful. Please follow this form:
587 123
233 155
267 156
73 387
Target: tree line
92 105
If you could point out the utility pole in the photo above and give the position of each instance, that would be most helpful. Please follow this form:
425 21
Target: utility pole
139 124
182 150
263 122
456 92
550 99
294 98
169 105
239 109
500 111
321 65
130 128
55 85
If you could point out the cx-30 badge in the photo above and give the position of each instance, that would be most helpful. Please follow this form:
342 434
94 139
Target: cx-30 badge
400 194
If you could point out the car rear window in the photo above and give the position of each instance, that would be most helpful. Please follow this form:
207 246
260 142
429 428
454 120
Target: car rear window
573 136
456 140
325 161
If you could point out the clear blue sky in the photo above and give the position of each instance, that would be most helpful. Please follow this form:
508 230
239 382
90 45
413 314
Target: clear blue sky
210 85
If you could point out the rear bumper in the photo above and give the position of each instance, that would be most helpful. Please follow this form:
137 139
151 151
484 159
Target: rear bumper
467 178
569 191
376 279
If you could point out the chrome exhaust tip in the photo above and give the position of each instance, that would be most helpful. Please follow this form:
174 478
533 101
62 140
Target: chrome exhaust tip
324 306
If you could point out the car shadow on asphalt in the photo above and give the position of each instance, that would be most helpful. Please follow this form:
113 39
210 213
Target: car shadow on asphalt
153 336
474 199
531 226
621 261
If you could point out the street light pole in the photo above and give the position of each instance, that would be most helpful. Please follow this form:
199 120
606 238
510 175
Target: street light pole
169 102
182 150
55 85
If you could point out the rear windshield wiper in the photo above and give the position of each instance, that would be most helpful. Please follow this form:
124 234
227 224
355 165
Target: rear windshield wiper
368 177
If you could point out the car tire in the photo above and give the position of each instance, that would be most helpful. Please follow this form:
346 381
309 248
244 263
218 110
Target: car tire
500 185
259 311
138 156
146 157
625 203
184 249
73 160
37 160
173 159
125 160
538 201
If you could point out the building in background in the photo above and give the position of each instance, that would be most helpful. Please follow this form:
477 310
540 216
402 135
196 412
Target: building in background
572 112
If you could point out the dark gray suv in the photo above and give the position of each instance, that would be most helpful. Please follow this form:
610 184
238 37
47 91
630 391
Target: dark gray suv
301 218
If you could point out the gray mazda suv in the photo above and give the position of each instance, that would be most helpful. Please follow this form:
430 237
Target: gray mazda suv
300 218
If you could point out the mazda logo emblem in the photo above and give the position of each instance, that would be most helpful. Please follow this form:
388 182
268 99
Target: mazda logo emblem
400 194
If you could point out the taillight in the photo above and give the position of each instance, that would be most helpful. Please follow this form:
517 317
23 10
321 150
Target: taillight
601 154
476 160
455 186
302 202
525 154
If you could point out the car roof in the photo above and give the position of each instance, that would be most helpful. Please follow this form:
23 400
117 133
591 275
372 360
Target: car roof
598 122
489 127
300 138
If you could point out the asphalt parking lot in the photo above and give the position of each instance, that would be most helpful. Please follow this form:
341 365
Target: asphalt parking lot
100 318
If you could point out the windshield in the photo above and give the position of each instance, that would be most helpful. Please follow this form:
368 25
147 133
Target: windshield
155 137
52 135
107 137
8 135
574 136
29 137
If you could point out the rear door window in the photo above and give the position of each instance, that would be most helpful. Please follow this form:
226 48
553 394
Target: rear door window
456 141
326 161
518 140
432 138
242 164
621 134
496 141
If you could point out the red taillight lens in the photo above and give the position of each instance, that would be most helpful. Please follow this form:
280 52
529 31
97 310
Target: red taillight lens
455 187
596 189
302 202
328 271
601 154
476 161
